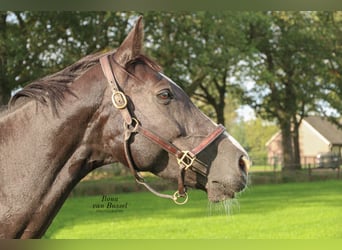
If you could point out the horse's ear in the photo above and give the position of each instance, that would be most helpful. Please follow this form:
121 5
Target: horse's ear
132 45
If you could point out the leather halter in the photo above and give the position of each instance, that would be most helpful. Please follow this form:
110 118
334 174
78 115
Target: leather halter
185 158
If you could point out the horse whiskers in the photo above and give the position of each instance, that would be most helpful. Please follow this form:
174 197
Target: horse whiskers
226 207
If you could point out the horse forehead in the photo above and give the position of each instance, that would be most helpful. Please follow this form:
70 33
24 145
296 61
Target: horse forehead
171 82
159 80
144 73
168 79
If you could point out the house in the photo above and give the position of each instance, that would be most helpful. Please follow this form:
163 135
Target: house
316 135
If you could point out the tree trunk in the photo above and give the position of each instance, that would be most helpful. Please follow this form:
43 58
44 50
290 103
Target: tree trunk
296 146
219 109
221 103
4 91
287 146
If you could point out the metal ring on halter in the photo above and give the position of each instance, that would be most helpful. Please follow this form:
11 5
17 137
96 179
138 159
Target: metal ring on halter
130 128
176 196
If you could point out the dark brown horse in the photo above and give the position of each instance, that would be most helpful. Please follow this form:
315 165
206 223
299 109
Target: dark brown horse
106 108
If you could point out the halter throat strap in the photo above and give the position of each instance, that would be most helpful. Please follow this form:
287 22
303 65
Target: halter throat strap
185 158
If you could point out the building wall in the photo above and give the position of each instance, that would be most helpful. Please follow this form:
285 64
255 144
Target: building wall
311 143
274 150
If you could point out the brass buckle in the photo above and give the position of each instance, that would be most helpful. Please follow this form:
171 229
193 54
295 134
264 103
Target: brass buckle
119 99
186 160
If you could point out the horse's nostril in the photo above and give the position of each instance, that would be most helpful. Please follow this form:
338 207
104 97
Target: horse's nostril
244 164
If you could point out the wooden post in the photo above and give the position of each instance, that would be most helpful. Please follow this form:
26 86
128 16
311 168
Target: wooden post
309 171
338 172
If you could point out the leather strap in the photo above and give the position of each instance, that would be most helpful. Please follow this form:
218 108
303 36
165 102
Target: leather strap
172 149
163 143
209 139
109 74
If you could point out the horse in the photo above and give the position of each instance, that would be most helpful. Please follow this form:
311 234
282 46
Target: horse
108 107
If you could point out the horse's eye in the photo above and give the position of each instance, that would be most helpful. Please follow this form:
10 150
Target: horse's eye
165 96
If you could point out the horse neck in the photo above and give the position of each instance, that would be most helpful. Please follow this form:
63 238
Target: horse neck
44 156
32 133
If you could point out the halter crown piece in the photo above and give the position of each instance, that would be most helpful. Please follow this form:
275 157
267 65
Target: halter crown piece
185 158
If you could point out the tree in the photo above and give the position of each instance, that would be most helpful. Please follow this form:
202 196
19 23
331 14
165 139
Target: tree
192 46
34 44
200 50
286 64
12 52
332 39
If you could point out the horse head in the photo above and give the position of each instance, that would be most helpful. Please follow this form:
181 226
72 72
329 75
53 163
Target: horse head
165 133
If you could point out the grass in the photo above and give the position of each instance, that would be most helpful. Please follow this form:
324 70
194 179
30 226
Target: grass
310 210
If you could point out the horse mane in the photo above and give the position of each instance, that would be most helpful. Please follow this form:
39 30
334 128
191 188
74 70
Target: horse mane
51 89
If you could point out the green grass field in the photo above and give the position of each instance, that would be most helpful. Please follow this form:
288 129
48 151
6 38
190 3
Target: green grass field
311 210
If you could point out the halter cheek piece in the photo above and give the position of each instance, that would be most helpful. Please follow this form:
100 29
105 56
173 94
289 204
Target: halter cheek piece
185 158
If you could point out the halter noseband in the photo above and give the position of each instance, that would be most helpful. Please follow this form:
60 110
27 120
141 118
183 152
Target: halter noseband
185 158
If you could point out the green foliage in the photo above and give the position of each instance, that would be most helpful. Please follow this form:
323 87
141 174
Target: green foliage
35 44
284 211
292 58
199 51
253 136
289 66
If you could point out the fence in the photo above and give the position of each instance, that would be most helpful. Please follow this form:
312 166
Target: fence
305 162
309 169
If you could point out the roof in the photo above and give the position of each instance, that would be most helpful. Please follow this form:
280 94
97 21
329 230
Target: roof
273 138
326 128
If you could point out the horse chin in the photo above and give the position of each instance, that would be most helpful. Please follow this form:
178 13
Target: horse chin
218 192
